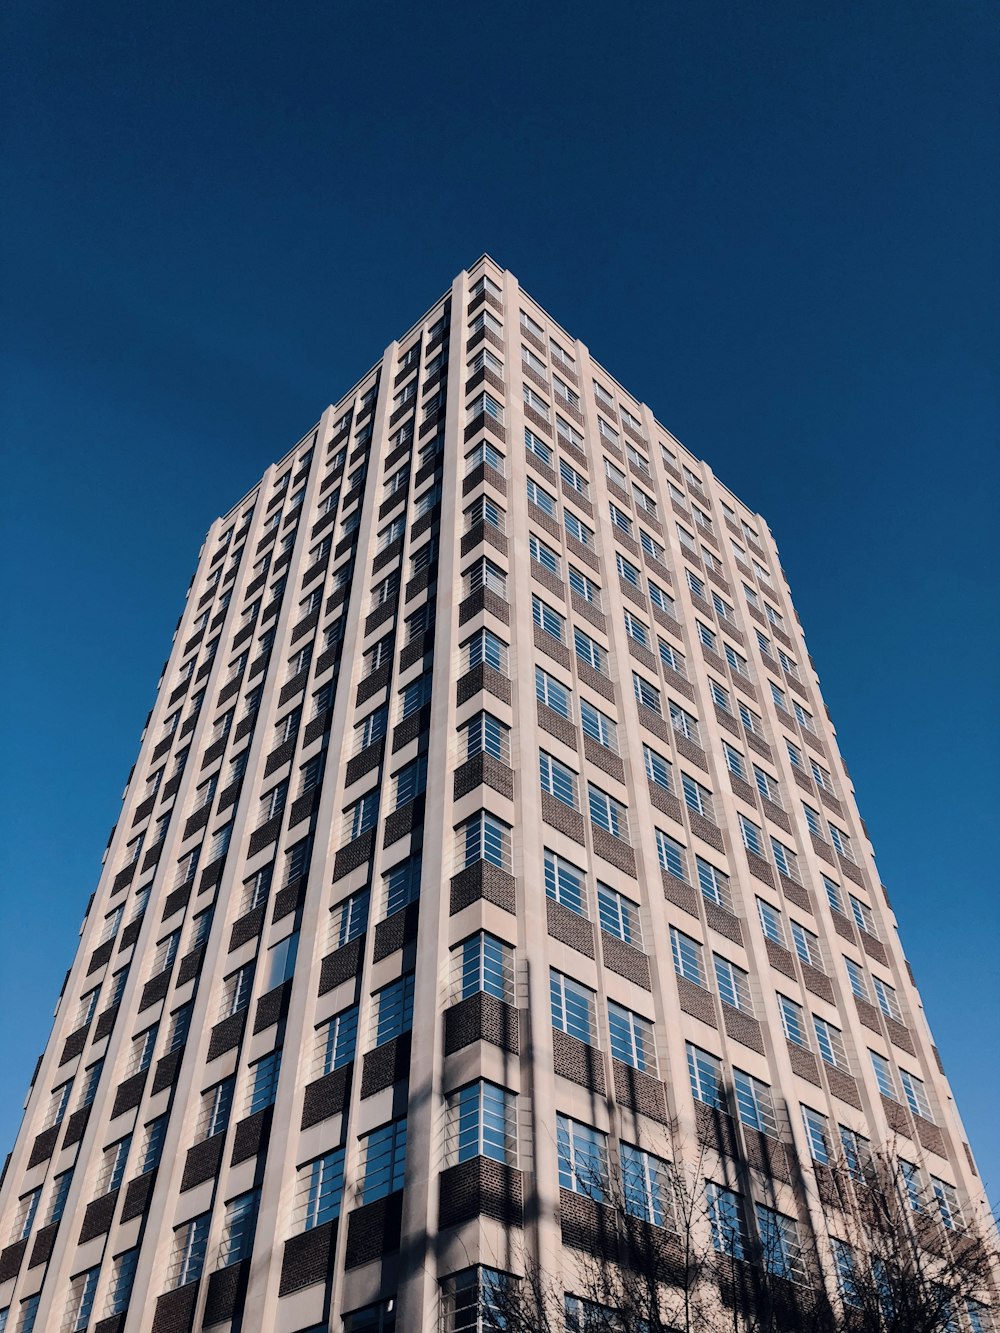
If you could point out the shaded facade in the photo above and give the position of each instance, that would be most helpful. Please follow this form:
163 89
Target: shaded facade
489 839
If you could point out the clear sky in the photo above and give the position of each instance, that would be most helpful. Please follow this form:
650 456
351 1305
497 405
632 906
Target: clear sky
776 223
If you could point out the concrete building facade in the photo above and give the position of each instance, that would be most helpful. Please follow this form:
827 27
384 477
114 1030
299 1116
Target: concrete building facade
489 820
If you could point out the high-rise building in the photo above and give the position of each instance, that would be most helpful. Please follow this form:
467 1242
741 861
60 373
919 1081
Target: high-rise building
489 839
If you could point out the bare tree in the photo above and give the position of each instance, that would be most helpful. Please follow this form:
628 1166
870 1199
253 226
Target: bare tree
886 1266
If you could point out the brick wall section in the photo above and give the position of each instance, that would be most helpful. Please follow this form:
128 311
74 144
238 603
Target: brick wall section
578 1062
307 1258
203 1161
485 881
137 1196
742 1028
226 1292
227 1034
175 1310
804 1064
98 1217
373 1230
626 960
251 1135
341 965
480 1187
587 1225
696 1001
483 770
481 1017
570 927
396 931
640 1091
560 816
327 1096
385 1065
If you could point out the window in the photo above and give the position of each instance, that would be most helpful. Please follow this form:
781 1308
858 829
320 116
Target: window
705 1073
534 445
263 1085
410 782
589 651
697 589
319 1191
863 916
543 555
378 655
636 629
120 1283
557 780
607 813
280 962
707 636
684 724
188 1258
834 897
786 860
584 586
806 945
370 729
766 785
817 1129
24 1218
916 1094
856 977
830 1041
884 1076
362 815
821 776
541 498
535 402
573 479
349 919
383 1161
577 530
750 720
804 717
272 803
658 769
754 1103
631 1038
753 837
574 1007
216 1105
672 855
887 999
236 991
337 1041
688 956
714 884
482 1122
619 916
565 883
547 619
737 662
734 762
484 404
483 963
485 649
947 1202
583 1158
485 574
238 1229
647 1185
627 570
793 1021
814 822
779 1239
80 1305
912 1184
671 658
550 692
779 697
393 1009
729 1228
485 838
385 590
647 695
619 519
856 1150
401 885
661 599
697 797
569 434
733 984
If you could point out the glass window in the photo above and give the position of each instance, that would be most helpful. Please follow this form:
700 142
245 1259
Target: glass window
574 1007
565 883
583 1158
672 855
483 963
647 1185
383 1161
688 955
754 1104
631 1038
482 1122
619 915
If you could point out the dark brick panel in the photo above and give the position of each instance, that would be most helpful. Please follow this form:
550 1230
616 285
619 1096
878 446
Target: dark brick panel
640 1091
626 960
227 1034
129 1093
577 1061
385 1065
396 931
98 1217
481 1017
166 1070
587 1225
570 927
696 1001
203 1161
356 853
341 965
10 1259
154 990
327 1096
106 1022
44 1244
483 881
251 1135
742 1028
175 1310
272 1006
247 927
481 1187
74 1044
373 1230
137 1196
308 1258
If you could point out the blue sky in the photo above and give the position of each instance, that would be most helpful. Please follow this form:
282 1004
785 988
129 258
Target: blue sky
774 223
